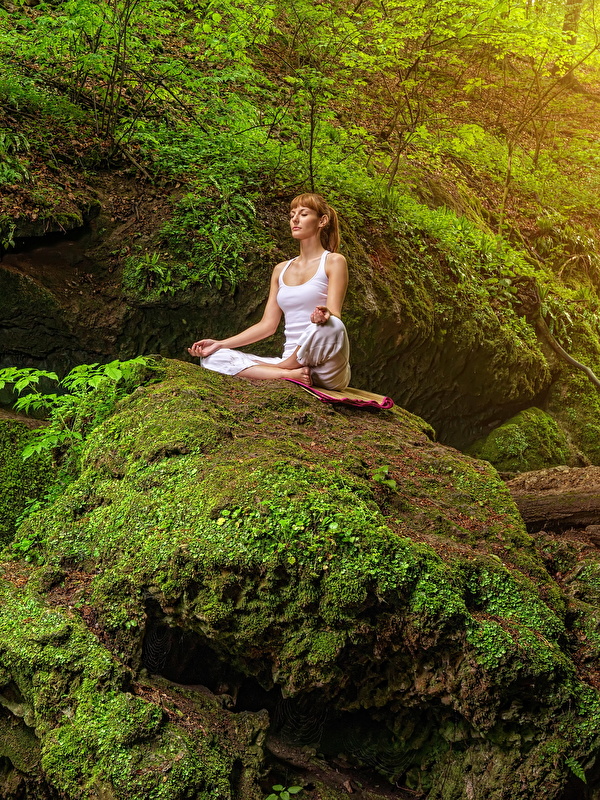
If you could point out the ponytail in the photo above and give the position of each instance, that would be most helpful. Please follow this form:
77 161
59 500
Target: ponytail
330 234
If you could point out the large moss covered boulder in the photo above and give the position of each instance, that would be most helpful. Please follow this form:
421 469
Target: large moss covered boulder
528 441
374 592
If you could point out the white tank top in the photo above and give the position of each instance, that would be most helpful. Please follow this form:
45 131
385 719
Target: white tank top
298 303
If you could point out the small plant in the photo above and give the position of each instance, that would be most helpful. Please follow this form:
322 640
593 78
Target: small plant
382 476
148 275
7 233
11 168
211 231
283 793
575 768
83 398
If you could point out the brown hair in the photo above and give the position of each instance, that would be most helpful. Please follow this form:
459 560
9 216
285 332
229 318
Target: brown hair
330 233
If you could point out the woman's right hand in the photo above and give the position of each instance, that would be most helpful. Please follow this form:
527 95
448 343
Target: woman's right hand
204 348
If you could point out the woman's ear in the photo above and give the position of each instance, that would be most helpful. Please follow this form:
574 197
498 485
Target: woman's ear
324 221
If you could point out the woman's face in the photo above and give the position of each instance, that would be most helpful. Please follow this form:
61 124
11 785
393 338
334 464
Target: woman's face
305 222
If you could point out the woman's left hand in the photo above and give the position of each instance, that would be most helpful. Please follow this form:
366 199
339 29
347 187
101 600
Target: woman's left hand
320 315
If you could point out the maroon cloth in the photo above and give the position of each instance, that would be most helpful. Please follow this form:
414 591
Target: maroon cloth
332 397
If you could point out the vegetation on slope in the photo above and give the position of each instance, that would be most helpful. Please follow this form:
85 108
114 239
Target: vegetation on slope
465 130
391 584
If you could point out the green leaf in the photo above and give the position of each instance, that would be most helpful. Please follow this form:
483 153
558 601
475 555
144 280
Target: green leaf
113 371
26 381
575 768
28 451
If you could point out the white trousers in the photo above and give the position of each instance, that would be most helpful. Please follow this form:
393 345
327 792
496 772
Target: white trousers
323 348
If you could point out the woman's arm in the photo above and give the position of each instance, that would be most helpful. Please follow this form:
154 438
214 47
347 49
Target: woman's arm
266 327
336 269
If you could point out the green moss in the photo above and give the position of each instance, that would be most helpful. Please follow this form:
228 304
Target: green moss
574 400
93 735
19 744
530 440
21 482
293 564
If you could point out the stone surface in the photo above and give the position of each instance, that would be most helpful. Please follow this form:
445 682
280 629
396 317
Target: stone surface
375 592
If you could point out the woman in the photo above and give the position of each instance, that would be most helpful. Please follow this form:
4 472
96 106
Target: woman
309 290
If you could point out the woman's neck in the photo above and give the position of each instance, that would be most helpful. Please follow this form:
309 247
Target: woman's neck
311 248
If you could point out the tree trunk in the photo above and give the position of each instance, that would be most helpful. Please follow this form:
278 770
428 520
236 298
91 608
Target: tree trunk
571 19
560 496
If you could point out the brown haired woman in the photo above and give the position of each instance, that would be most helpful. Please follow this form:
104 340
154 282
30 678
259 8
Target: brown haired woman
309 291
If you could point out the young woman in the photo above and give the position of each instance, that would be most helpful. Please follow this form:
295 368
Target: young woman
309 291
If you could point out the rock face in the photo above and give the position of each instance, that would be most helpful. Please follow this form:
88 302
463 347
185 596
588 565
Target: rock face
331 579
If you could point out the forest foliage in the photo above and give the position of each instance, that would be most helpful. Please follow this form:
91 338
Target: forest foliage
483 106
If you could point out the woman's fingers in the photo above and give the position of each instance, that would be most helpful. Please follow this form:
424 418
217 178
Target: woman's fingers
320 315
197 349
204 348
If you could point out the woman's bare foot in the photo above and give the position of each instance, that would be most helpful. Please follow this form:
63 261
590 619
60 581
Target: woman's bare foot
271 372
301 374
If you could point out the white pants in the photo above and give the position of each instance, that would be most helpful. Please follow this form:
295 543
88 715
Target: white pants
323 348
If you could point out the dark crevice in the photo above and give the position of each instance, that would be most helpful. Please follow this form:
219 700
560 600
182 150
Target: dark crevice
235 777
26 244
367 745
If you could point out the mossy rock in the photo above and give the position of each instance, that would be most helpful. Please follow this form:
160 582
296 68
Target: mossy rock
528 441
435 343
21 481
575 403
74 722
331 559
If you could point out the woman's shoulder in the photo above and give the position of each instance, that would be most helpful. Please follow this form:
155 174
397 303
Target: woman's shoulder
335 261
277 270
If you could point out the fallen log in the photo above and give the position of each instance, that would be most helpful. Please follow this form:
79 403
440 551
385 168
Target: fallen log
563 496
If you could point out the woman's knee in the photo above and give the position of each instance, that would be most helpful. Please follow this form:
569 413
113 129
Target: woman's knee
335 323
